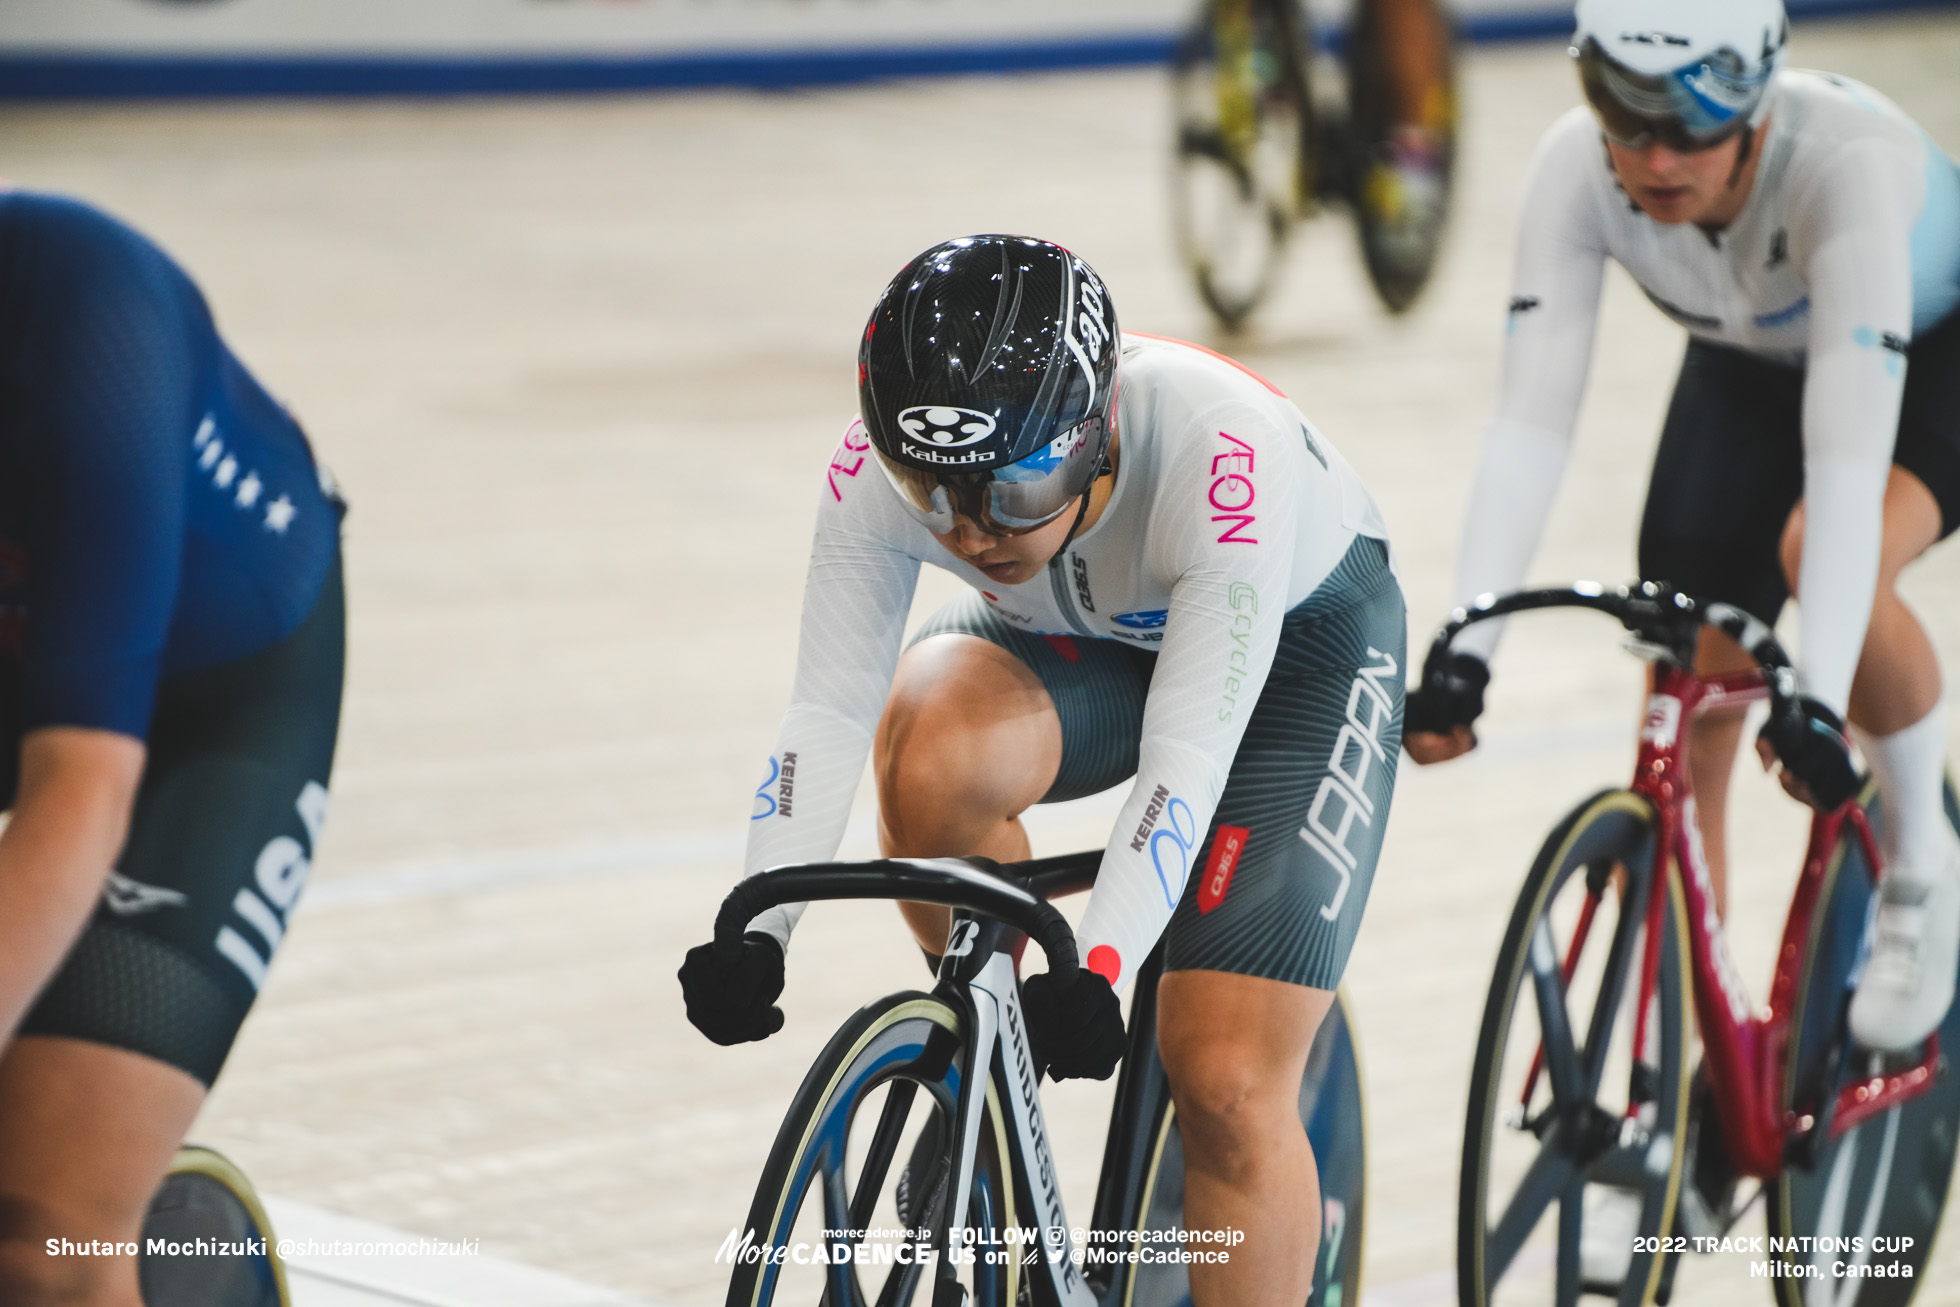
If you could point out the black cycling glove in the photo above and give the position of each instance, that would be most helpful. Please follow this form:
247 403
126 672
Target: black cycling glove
731 994
1075 1026
1450 695
1810 742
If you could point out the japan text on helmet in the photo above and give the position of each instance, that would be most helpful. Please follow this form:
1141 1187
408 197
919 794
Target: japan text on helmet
987 380
1687 73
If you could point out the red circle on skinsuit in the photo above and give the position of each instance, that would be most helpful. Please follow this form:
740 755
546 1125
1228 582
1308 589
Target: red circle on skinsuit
1106 962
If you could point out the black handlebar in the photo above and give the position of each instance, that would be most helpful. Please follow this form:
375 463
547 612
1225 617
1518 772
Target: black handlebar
1656 614
1015 893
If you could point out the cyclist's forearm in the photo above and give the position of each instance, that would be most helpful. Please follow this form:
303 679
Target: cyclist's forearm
1510 501
1843 529
800 810
1157 840
68 825
854 606
1858 262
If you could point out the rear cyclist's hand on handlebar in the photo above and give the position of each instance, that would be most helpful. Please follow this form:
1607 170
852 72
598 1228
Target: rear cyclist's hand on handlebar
1816 758
1441 709
731 994
1075 1026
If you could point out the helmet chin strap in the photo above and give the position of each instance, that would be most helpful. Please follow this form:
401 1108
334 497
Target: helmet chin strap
1103 469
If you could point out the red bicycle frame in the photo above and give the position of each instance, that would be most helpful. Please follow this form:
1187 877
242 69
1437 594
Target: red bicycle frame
1746 1050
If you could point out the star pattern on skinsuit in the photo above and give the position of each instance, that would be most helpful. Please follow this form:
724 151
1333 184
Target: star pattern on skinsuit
248 490
227 471
279 515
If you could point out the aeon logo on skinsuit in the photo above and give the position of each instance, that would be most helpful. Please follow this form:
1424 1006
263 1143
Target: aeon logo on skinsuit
944 426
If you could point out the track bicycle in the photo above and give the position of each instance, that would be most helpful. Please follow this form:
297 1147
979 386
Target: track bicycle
1582 1095
913 1165
1258 147
206 1198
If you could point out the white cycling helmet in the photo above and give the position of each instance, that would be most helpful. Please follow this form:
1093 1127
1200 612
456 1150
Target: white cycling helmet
1687 73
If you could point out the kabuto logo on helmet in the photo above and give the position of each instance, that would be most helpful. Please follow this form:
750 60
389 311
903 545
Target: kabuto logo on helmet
944 426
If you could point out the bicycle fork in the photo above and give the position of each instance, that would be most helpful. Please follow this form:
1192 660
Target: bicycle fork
997 1028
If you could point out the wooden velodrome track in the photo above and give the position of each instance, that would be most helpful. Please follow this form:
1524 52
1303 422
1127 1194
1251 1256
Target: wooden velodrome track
579 365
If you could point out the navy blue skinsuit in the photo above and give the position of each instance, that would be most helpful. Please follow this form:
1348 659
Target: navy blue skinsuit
169 570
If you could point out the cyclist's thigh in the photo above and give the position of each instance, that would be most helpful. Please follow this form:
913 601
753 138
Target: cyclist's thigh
1097 688
1286 869
1225 1037
220 842
1929 417
1728 472
86 1134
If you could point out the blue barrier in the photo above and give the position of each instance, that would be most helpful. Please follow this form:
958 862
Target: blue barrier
86 76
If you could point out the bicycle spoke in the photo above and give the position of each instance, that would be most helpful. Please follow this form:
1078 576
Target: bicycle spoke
884 1145
1550 1174
841 1288
1571 1213
1573 950
1619 959
1554 1024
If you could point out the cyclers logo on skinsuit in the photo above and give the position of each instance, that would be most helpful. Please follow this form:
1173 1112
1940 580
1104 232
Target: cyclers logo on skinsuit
1244 602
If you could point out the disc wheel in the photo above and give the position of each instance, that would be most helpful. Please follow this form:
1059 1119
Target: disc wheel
1239 167
1884 1182
1401 231
873 1117
206 1198
1331 1109
1569 1122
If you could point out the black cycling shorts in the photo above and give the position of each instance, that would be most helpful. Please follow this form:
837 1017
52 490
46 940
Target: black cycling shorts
1730 465
1280 893
220 842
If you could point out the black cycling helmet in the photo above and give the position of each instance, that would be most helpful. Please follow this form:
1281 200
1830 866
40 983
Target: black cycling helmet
987 380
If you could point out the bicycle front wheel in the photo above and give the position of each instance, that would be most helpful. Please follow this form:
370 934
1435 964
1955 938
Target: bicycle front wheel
1239 169
1577 1105
206 1202
860 1166
1863 1213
